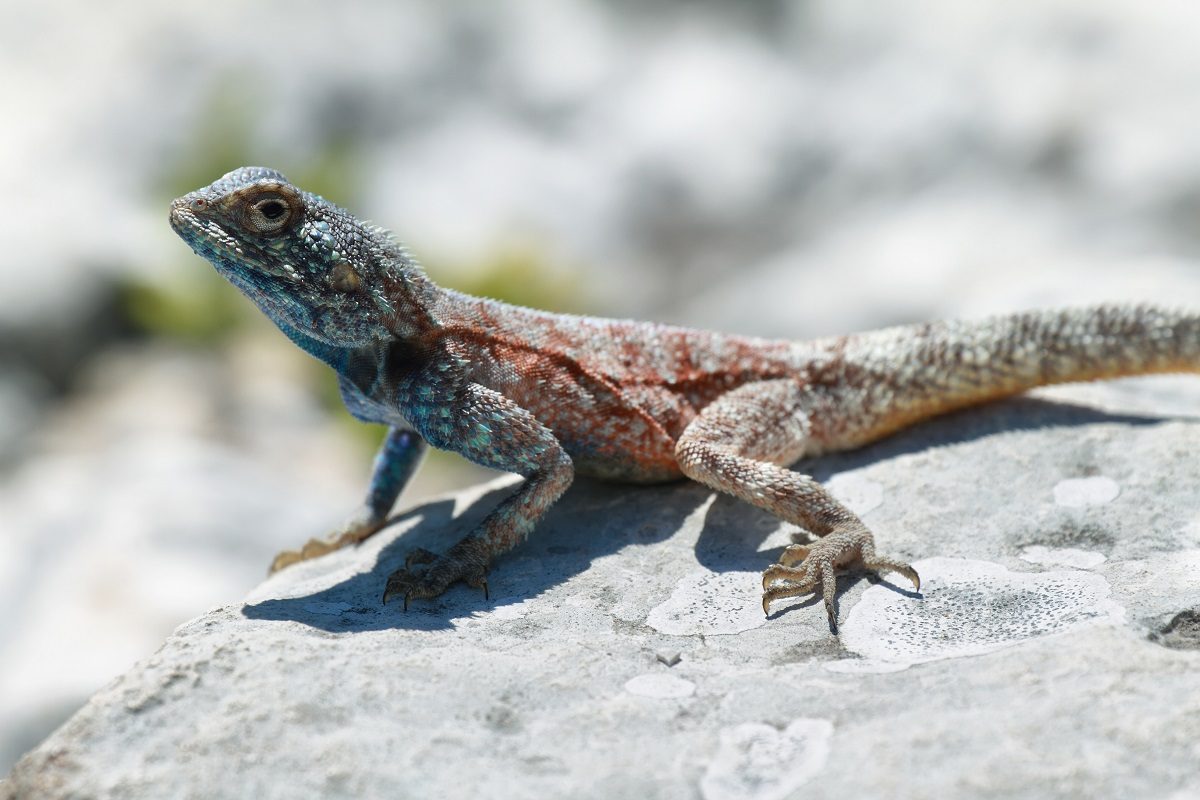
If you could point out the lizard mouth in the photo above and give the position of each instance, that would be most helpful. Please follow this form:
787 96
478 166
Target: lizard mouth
243 264
229 253
206 238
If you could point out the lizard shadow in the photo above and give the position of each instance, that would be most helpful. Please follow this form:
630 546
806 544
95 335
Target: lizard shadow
594 520
732 532
598 519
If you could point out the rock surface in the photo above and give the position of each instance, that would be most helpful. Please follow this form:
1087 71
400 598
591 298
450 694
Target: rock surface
1054 649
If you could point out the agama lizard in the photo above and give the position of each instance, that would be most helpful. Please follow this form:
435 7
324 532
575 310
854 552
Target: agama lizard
550 395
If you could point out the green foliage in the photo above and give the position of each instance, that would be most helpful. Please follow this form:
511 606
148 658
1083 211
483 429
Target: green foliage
198 307
519 274
225 135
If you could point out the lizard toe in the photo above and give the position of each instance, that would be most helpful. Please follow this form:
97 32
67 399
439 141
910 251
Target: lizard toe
780 582
435 574
352 532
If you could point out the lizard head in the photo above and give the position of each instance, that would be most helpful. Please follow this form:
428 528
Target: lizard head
326 278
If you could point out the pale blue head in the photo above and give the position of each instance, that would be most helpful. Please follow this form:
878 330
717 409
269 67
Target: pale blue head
327 279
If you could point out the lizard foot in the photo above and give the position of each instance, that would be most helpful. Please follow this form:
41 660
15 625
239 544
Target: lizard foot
354 532
818 565
436 573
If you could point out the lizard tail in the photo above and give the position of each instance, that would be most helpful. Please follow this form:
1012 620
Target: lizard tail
915 372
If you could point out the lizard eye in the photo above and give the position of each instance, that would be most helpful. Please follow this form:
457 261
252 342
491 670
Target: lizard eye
271 211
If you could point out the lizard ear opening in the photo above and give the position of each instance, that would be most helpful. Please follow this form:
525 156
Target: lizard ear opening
271 209
344 278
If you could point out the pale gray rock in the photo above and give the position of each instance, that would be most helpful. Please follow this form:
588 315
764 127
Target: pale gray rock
1068 676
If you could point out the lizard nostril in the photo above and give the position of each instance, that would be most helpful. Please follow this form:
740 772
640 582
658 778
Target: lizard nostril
199 204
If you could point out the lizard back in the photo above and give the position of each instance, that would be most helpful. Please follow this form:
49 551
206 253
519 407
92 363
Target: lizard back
616 393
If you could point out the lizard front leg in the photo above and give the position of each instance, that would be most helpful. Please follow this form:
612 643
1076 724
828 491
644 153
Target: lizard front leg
738 445
491 430
397 460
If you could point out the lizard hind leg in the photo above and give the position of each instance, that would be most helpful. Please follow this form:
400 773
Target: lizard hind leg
739 444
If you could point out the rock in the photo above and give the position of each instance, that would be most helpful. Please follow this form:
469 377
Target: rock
134 509
1026 663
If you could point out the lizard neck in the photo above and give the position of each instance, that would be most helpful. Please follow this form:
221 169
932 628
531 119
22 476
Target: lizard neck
414 302
332 355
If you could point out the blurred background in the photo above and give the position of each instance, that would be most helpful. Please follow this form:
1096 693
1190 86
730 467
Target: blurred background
778 168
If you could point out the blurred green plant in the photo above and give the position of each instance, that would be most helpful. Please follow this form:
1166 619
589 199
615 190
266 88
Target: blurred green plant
226 134
522 274
196 306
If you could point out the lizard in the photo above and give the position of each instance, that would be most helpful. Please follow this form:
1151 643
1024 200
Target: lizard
549 396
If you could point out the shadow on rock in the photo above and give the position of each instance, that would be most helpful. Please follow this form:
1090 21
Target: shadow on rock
592 520
596 519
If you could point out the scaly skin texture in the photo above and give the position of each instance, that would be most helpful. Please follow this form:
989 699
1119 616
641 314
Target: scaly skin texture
549 395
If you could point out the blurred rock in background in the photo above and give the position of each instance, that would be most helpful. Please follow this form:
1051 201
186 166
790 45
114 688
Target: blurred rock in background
789 169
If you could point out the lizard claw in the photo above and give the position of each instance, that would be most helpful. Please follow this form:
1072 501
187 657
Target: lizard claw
817 566
391 590
435 574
